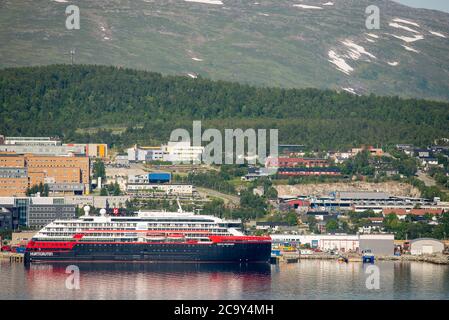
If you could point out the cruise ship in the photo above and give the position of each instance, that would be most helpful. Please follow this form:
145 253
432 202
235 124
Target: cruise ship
149 236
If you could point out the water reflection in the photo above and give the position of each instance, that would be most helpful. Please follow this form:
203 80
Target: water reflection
151 281
309 279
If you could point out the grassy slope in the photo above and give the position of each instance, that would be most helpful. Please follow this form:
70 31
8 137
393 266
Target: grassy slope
287 48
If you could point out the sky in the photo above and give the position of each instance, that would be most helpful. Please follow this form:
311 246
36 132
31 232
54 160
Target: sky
442 5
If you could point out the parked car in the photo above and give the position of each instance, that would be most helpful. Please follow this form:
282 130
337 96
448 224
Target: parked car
6 248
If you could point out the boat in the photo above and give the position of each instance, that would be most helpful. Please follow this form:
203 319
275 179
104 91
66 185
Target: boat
367 256
157 236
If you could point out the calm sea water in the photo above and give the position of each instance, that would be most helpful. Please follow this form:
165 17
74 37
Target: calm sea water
308 279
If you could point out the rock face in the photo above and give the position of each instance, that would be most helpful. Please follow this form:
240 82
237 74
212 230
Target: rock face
434 258
323 189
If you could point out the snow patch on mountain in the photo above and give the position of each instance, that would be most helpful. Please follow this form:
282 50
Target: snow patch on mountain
356 51
339 62
398 26
410 49
394 63
305 6
206 1
409 39
438 34
372 35
351 90
406 21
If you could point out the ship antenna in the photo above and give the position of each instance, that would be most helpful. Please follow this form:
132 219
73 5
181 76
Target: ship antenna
179 205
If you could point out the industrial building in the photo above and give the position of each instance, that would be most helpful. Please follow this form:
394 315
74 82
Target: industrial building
359 201
296 162
379 244
426 246
318 171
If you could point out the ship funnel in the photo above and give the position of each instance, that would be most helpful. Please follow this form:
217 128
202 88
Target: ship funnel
103 212
86 210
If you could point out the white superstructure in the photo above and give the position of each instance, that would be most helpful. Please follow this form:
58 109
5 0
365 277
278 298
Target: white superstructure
147 226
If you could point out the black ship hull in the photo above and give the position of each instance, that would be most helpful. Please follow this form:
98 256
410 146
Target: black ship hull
146 252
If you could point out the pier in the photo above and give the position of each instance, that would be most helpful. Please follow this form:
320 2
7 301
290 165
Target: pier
13 257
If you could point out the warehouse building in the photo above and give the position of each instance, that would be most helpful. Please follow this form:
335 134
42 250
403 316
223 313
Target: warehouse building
426 246
379 244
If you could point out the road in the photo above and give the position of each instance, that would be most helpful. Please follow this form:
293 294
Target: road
227 198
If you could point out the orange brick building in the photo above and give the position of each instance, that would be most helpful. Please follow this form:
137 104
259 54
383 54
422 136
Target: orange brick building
41 169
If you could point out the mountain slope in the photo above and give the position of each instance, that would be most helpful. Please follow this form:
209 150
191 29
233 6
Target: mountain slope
309 43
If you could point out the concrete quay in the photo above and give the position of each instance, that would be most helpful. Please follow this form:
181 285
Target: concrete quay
435 258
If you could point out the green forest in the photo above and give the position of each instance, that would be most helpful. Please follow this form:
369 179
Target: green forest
122 107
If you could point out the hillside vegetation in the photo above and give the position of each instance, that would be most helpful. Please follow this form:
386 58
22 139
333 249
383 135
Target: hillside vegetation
281 43
87 103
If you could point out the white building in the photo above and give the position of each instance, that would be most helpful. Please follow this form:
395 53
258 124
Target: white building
156 188
98 201
343 243
141 154
426 246
377 243
182 152
32 141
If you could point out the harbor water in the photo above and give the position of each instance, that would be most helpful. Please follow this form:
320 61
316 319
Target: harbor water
308 279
